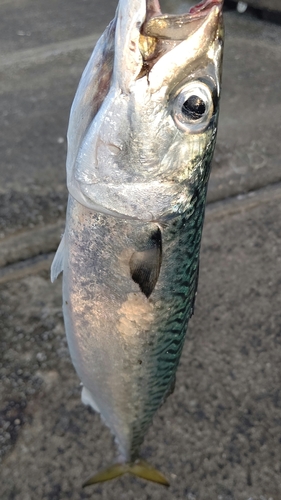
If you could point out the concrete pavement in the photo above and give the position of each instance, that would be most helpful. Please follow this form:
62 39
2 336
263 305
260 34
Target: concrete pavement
218 436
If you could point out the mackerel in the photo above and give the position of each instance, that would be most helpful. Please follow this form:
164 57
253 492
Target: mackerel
141 138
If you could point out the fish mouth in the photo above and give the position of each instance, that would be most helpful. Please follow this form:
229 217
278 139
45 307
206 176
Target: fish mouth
196 13
144 34
159 32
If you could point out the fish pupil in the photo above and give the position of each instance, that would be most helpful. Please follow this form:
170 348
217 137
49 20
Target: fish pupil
194 107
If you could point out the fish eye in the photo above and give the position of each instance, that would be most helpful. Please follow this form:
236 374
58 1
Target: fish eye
192 108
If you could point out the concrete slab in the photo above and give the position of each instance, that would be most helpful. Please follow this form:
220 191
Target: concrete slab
247 155
217 437
35 104
27 24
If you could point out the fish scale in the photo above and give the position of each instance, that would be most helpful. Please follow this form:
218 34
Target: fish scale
140 143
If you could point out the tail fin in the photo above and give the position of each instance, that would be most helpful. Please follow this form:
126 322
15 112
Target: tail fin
140 468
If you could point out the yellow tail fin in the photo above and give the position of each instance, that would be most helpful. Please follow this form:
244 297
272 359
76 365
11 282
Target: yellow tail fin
138 468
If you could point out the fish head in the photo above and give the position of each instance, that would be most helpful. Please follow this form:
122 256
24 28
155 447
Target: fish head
143 123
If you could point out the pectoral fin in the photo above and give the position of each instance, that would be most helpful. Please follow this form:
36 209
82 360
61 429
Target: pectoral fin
145 266
140 468
57 264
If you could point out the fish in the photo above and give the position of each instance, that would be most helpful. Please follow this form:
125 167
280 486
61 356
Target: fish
141 137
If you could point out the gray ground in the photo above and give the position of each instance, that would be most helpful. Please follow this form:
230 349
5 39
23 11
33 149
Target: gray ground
218 437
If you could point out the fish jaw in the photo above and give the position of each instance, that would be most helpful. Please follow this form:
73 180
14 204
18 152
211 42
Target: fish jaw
131 152
128 59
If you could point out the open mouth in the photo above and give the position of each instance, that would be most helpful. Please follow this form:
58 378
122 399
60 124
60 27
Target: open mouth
161 32
200 10
165 26
203 8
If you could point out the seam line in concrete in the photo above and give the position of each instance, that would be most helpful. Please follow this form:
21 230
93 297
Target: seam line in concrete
30 243
243 202
37 55
27 267
20 248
